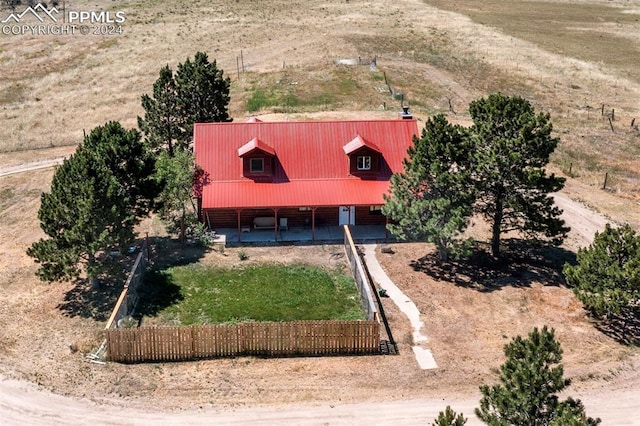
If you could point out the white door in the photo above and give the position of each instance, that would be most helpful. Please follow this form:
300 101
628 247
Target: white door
347 215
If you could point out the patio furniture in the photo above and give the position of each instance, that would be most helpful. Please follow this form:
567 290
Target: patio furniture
264 222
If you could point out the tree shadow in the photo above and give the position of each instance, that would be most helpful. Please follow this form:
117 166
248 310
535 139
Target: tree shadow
623 328
519 265
86 301
158 291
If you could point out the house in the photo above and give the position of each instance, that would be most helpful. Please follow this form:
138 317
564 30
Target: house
278 175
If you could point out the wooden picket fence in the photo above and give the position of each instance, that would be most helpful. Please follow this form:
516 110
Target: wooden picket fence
300 338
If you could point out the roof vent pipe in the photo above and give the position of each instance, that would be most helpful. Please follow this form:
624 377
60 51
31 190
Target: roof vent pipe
405 114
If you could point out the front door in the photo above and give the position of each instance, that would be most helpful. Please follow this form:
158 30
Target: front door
347 215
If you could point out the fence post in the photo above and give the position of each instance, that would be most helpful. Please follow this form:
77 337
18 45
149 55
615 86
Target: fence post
606 176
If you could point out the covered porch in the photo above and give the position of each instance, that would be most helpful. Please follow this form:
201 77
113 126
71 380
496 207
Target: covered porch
302 234
289 224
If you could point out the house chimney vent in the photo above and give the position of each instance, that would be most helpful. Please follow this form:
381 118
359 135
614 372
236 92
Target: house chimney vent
405 114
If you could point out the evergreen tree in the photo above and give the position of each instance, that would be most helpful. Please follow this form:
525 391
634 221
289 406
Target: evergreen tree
606 277
448 417
433 198
163 122
512 146
197 93
97 197
203 92
571 413
530 380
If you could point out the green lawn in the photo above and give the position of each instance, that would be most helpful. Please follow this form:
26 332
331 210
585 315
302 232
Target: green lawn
193 294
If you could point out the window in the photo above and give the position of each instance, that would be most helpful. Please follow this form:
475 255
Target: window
257 165
364 162
304 209
375 210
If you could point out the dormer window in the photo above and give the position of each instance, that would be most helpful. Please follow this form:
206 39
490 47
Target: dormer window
364 157
258 160
364 162
257 165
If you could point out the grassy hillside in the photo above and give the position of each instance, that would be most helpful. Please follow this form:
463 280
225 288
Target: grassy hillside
573 59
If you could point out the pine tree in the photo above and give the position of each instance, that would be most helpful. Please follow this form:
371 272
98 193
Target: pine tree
432 199
97 197
512 147
530 380
606 277
448 417
163 122
203 92
197 93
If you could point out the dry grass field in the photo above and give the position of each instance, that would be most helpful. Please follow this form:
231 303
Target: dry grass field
569 58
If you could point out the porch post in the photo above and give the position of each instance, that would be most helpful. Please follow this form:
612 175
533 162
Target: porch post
239 229
275 227
313 223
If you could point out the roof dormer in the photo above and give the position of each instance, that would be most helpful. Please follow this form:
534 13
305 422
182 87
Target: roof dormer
257 159
364 157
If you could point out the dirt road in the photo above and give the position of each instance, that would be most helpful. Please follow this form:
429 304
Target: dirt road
23 403
36 165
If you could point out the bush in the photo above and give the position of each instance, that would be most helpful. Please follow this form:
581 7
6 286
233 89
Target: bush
202 235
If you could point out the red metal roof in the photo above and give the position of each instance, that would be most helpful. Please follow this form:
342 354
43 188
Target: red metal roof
312 168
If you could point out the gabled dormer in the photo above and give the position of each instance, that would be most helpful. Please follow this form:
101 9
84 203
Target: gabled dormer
364 157
258 160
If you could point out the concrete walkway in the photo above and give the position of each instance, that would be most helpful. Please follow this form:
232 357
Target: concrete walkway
422 353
